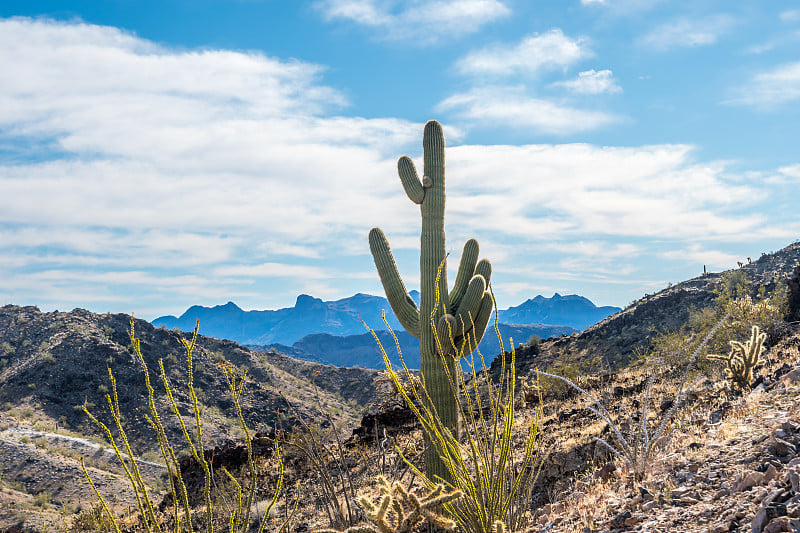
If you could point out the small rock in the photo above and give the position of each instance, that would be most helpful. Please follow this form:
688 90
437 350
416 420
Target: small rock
769 475
775 509
781 447
633 520
790 426
649 505
620 519
747 480
721 493
759 521
793 506
782 524
792 377
645 494
680 492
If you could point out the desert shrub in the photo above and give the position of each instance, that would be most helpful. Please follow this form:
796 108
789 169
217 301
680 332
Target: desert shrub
92 519
637 449
570 365
322 449
535 341
744 308
42 499
225 500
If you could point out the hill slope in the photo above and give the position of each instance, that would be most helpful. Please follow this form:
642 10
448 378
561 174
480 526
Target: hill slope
614 339
53 362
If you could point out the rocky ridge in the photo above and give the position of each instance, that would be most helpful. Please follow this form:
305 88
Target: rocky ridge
615 339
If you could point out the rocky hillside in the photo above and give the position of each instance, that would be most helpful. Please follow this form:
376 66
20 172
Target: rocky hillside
54 362
614 339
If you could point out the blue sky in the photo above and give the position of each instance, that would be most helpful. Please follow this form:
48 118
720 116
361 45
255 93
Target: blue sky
160 154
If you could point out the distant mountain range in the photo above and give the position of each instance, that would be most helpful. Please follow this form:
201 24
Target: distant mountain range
288 325
331 332
570 310
362 351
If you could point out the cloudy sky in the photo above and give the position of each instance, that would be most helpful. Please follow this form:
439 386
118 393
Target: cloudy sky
156 154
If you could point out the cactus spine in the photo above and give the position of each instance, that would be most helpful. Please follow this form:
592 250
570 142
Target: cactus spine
744 357
448 324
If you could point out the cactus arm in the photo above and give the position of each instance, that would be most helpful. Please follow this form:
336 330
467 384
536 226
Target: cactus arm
469 342
484 269
466 269
453 329
403 306
470 305
411 183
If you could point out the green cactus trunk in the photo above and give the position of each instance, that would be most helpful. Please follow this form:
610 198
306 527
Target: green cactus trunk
458 318
435 369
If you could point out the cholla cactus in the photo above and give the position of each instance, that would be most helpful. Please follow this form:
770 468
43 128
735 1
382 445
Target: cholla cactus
409 510
744 357
448 324
499 527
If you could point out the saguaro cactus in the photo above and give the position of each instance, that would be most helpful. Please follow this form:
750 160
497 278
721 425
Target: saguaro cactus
448 324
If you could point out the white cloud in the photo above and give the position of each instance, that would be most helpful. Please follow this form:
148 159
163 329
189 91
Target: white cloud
512 106
599 251
712 259
790 16
687 32
770 88
195 176
547 193
535 53
624 5
421 21
591 82
791 171
273 270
